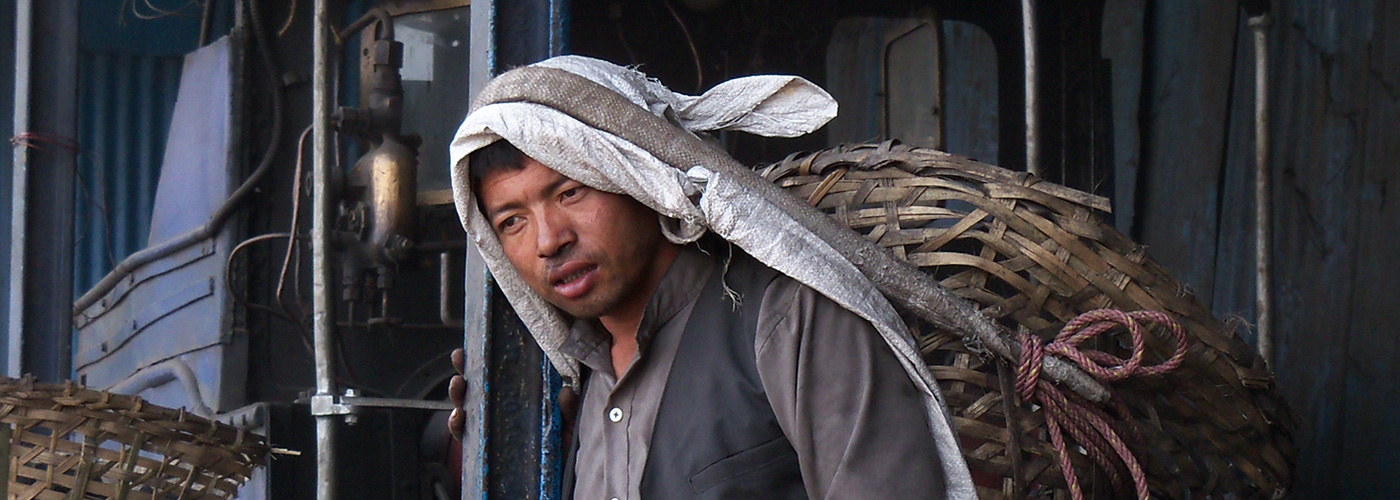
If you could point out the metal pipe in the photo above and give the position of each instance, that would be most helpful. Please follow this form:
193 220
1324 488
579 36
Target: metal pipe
24 44
206 22
221 215
476 296
1032 124
376 14
163 373
1263 200
322 284
445 292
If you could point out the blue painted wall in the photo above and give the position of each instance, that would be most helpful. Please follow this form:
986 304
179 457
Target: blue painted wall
1335 74
128 73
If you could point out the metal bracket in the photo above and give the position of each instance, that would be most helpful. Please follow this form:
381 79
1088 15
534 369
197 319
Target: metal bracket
326 404
413 404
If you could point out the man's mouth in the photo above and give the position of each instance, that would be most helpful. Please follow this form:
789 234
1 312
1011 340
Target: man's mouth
573 280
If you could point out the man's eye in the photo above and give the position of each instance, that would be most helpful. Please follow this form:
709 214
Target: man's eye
571 192
508 223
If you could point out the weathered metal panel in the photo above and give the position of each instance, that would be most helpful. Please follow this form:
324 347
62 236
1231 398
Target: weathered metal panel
41 267
1334 76
1190 55
1123 47
175 310
1232 289
7 125
853 78
1340 115
887 69
970 83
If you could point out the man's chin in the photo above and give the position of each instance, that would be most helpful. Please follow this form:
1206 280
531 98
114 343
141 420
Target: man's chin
577 309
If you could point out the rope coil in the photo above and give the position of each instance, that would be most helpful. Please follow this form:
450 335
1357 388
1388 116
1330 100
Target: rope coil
1099 433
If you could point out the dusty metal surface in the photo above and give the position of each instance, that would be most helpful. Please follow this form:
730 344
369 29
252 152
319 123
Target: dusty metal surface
1122 45
971 110
1335 246
7 108
45 122
1334 75
176 307
126 103
887 76
1189 67
323 280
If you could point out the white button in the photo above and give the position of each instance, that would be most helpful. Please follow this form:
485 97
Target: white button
614 498
615 415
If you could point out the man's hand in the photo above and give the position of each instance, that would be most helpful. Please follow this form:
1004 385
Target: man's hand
457 390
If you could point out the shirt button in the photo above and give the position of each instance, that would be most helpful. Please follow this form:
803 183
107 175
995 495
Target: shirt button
615 415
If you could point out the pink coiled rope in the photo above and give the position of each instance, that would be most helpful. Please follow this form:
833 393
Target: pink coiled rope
1100 434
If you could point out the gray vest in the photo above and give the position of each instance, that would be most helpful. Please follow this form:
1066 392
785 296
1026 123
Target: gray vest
716 436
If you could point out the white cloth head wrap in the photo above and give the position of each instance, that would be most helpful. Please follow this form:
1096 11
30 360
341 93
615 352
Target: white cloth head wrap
691 200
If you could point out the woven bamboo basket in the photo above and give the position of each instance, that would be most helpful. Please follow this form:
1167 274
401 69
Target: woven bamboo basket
65 442
1033 255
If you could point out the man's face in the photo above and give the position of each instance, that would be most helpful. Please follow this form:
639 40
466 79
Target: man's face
590 253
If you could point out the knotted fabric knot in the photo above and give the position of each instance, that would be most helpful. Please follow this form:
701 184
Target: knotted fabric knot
1100 434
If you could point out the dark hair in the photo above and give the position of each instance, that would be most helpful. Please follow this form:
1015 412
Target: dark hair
495 157
499 155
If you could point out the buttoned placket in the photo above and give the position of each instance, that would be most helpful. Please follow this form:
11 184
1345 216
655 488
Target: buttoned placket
622 426
619 441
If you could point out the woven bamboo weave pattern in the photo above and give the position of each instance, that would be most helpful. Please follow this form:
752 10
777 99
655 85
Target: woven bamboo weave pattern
65 442
1034 255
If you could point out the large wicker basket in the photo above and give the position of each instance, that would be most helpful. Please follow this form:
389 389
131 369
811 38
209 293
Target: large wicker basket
1033 255
65 442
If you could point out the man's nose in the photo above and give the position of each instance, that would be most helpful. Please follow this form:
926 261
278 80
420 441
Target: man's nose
554 233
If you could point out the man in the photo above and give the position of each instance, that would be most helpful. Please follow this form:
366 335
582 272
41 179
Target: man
708 374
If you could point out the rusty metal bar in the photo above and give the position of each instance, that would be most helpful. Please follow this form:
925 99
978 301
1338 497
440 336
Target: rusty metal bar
1263 199
1032 84
323 308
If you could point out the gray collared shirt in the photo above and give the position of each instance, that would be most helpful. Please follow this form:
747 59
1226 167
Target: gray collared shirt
854 418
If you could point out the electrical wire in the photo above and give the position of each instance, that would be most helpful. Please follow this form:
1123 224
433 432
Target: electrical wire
293 247
159 12
101 205
615 12
694 53
220 216
228 283
291 15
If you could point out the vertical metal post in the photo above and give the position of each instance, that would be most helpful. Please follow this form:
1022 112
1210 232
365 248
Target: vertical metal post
41 260
1263 200
322 284
477 313
1032 84
24 36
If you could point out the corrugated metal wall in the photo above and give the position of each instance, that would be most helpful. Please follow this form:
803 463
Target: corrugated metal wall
128 72
125 102
1335 73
